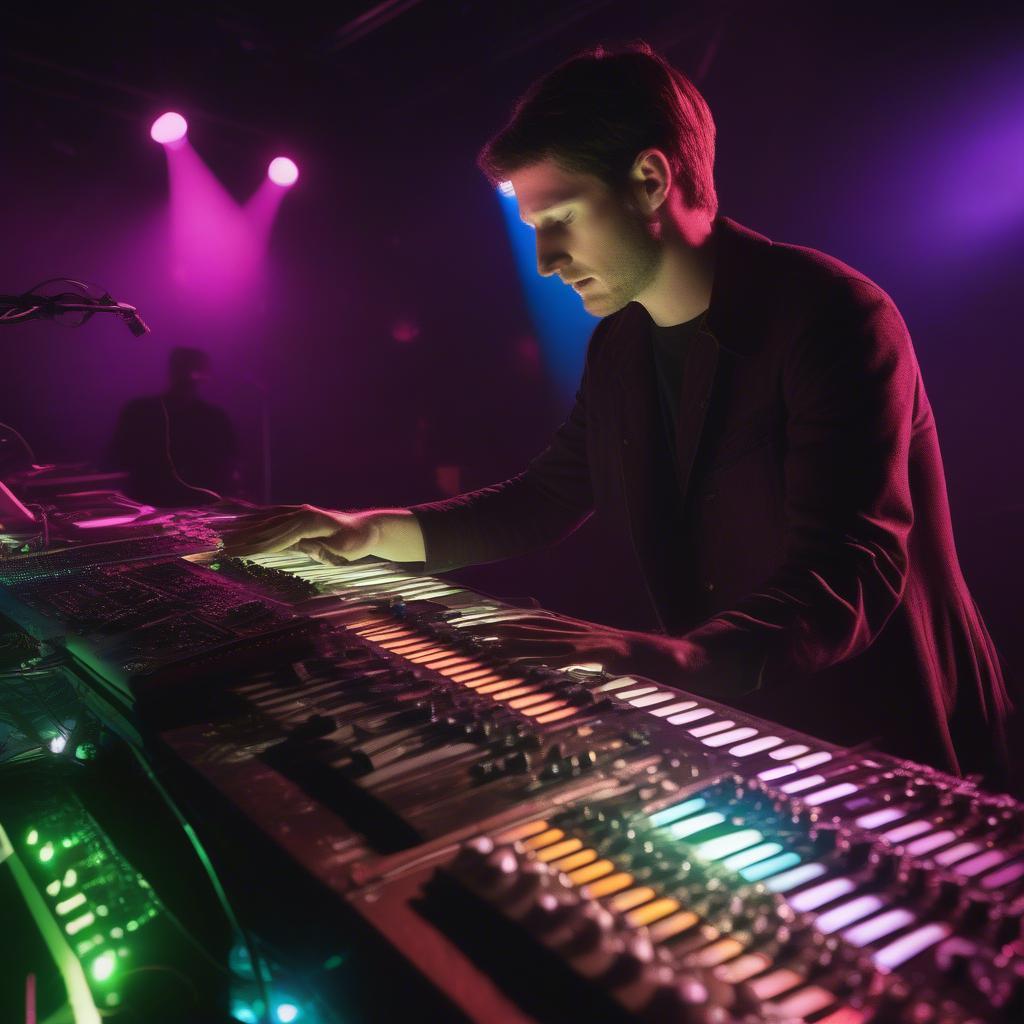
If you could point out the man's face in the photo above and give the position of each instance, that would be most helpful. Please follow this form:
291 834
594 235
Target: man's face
591 237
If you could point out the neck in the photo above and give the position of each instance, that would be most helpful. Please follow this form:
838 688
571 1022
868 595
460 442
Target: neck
681 287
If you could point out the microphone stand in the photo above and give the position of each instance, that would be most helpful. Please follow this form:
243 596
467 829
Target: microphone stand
16 309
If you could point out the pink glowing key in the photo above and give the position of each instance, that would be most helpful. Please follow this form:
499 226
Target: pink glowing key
282 171
168 128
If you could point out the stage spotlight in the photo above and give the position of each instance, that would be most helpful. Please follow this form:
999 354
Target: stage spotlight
283 171
168 128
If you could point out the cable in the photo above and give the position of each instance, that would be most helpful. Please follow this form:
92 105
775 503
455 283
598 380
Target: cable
170 459
28 447
214 878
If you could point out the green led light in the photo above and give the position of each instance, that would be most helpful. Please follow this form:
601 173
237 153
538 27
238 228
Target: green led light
103 966
243 1012
102 910
46 852
71 877
215 566
53 888
32 838
71 903
677 811
117 933
766 868
67 843
74 927
132 926
113 998
333 962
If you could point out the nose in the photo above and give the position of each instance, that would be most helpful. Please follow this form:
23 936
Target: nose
551 257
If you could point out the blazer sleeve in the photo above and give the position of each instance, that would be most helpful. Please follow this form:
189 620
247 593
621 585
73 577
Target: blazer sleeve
848 384
532 510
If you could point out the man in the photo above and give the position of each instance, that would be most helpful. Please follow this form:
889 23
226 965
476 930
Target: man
178 448
751 415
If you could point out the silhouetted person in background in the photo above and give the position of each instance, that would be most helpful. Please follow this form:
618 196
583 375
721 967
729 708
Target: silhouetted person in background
178 448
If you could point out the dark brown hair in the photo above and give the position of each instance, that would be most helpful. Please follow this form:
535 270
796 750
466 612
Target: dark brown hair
596 112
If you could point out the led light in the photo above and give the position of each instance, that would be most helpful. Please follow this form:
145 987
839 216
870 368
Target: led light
32 838
53 888
773 866
46 852
506 189
58 743
287 1012
71 903
677 811
283 171
71 877
698 824
722 846
103 966
168 128
74 927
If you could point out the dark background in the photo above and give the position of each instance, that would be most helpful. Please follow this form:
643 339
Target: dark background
891 138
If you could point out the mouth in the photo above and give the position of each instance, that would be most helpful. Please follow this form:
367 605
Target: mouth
581 283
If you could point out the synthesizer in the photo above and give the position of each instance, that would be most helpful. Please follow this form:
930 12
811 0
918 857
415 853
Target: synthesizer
536 842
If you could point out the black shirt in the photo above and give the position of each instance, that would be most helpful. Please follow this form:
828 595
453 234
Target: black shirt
671 347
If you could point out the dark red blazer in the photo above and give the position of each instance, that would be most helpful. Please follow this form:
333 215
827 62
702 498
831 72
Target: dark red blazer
811 555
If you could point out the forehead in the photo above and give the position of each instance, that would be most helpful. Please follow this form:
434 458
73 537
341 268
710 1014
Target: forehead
545 185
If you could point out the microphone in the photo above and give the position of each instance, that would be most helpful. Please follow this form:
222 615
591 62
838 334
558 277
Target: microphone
130 315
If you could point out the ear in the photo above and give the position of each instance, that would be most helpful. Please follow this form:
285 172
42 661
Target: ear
651 177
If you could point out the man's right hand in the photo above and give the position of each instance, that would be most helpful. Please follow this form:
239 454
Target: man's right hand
328 536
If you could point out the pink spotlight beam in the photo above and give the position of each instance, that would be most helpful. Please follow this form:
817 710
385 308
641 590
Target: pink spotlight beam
283 171
169 128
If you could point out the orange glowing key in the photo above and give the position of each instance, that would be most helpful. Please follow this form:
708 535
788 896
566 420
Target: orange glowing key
633 898
404 646
543 709
669 927
577 860
421 656
742 967
592 872
466 677
459 670
525 702
559 850
717 953
771 985
556 716
812 999
651 912
473 684
500 685
362 624
608 885
552 835
516 691
385 632
524 831
451 661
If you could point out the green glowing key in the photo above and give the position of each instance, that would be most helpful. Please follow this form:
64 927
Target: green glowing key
772 866
677 811
722 846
